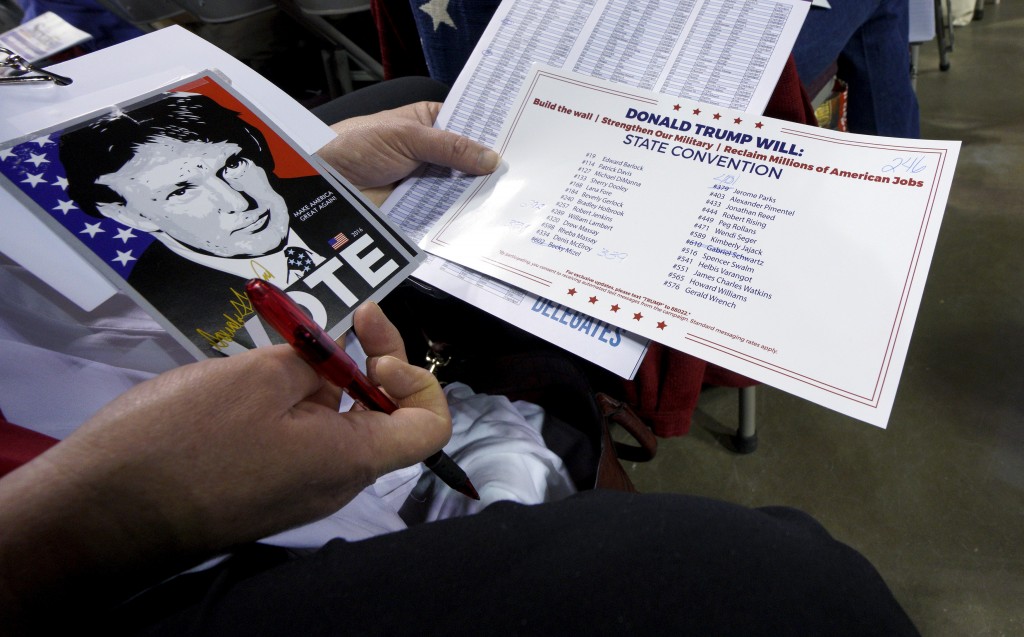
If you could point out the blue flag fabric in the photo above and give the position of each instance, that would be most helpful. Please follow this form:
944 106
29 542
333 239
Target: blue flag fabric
449 29
34 167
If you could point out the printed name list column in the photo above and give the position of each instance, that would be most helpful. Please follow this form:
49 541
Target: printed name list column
724 251
590 205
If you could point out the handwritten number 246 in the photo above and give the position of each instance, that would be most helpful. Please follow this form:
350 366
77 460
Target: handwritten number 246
908 164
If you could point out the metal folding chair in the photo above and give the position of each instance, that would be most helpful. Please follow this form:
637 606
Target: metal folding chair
345 61
216 11
143 13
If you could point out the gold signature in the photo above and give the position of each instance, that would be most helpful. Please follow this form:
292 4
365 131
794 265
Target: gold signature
241 309
260 271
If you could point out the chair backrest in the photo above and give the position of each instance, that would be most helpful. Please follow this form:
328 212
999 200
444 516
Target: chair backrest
332 7
10 15
225 10
140 12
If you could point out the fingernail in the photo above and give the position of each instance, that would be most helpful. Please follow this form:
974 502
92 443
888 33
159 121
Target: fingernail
488 160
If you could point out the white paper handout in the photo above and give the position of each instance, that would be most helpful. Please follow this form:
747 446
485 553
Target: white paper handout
106 77
44 35
254 205
717 51
791 254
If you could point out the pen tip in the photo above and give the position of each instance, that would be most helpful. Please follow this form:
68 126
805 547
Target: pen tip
469 490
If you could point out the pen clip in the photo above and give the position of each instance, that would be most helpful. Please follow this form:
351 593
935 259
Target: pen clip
22 68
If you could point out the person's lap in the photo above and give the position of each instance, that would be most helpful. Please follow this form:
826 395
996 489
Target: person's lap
599 562
596 563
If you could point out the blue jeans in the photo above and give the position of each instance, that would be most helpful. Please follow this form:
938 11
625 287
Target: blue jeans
870 41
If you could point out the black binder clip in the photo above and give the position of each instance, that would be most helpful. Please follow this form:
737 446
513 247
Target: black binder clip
24 71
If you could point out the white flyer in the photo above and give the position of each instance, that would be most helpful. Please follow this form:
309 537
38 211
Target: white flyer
105 77
791 254
724 52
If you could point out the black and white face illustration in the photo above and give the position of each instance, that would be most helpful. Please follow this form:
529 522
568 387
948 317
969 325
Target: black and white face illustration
182 167
206 195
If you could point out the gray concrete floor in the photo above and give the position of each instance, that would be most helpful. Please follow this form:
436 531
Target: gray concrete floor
936 501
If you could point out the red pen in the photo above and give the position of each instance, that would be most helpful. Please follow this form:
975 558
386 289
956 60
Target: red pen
331 361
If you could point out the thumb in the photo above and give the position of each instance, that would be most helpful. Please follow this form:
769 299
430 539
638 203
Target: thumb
408 385
450 149
420 426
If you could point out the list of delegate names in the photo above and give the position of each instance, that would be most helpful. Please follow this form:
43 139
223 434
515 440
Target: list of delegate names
791 254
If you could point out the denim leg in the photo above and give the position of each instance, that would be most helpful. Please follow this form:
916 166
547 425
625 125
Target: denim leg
876 65
870 40
825 32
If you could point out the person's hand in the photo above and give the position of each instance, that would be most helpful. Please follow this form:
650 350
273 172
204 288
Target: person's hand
207 456
376 151
234 449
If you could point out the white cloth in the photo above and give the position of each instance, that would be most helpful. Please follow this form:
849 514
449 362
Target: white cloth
373 512
499 444
59 364
962 11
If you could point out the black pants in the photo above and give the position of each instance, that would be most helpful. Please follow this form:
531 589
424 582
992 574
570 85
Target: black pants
598 563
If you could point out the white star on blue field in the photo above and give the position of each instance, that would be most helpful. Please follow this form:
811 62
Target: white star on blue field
34 168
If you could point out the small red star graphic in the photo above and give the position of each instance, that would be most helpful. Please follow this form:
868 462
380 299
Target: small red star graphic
637 316
572 291
615 308
593 299
717 116
676 107
759 125
737 121
661 325
696 111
